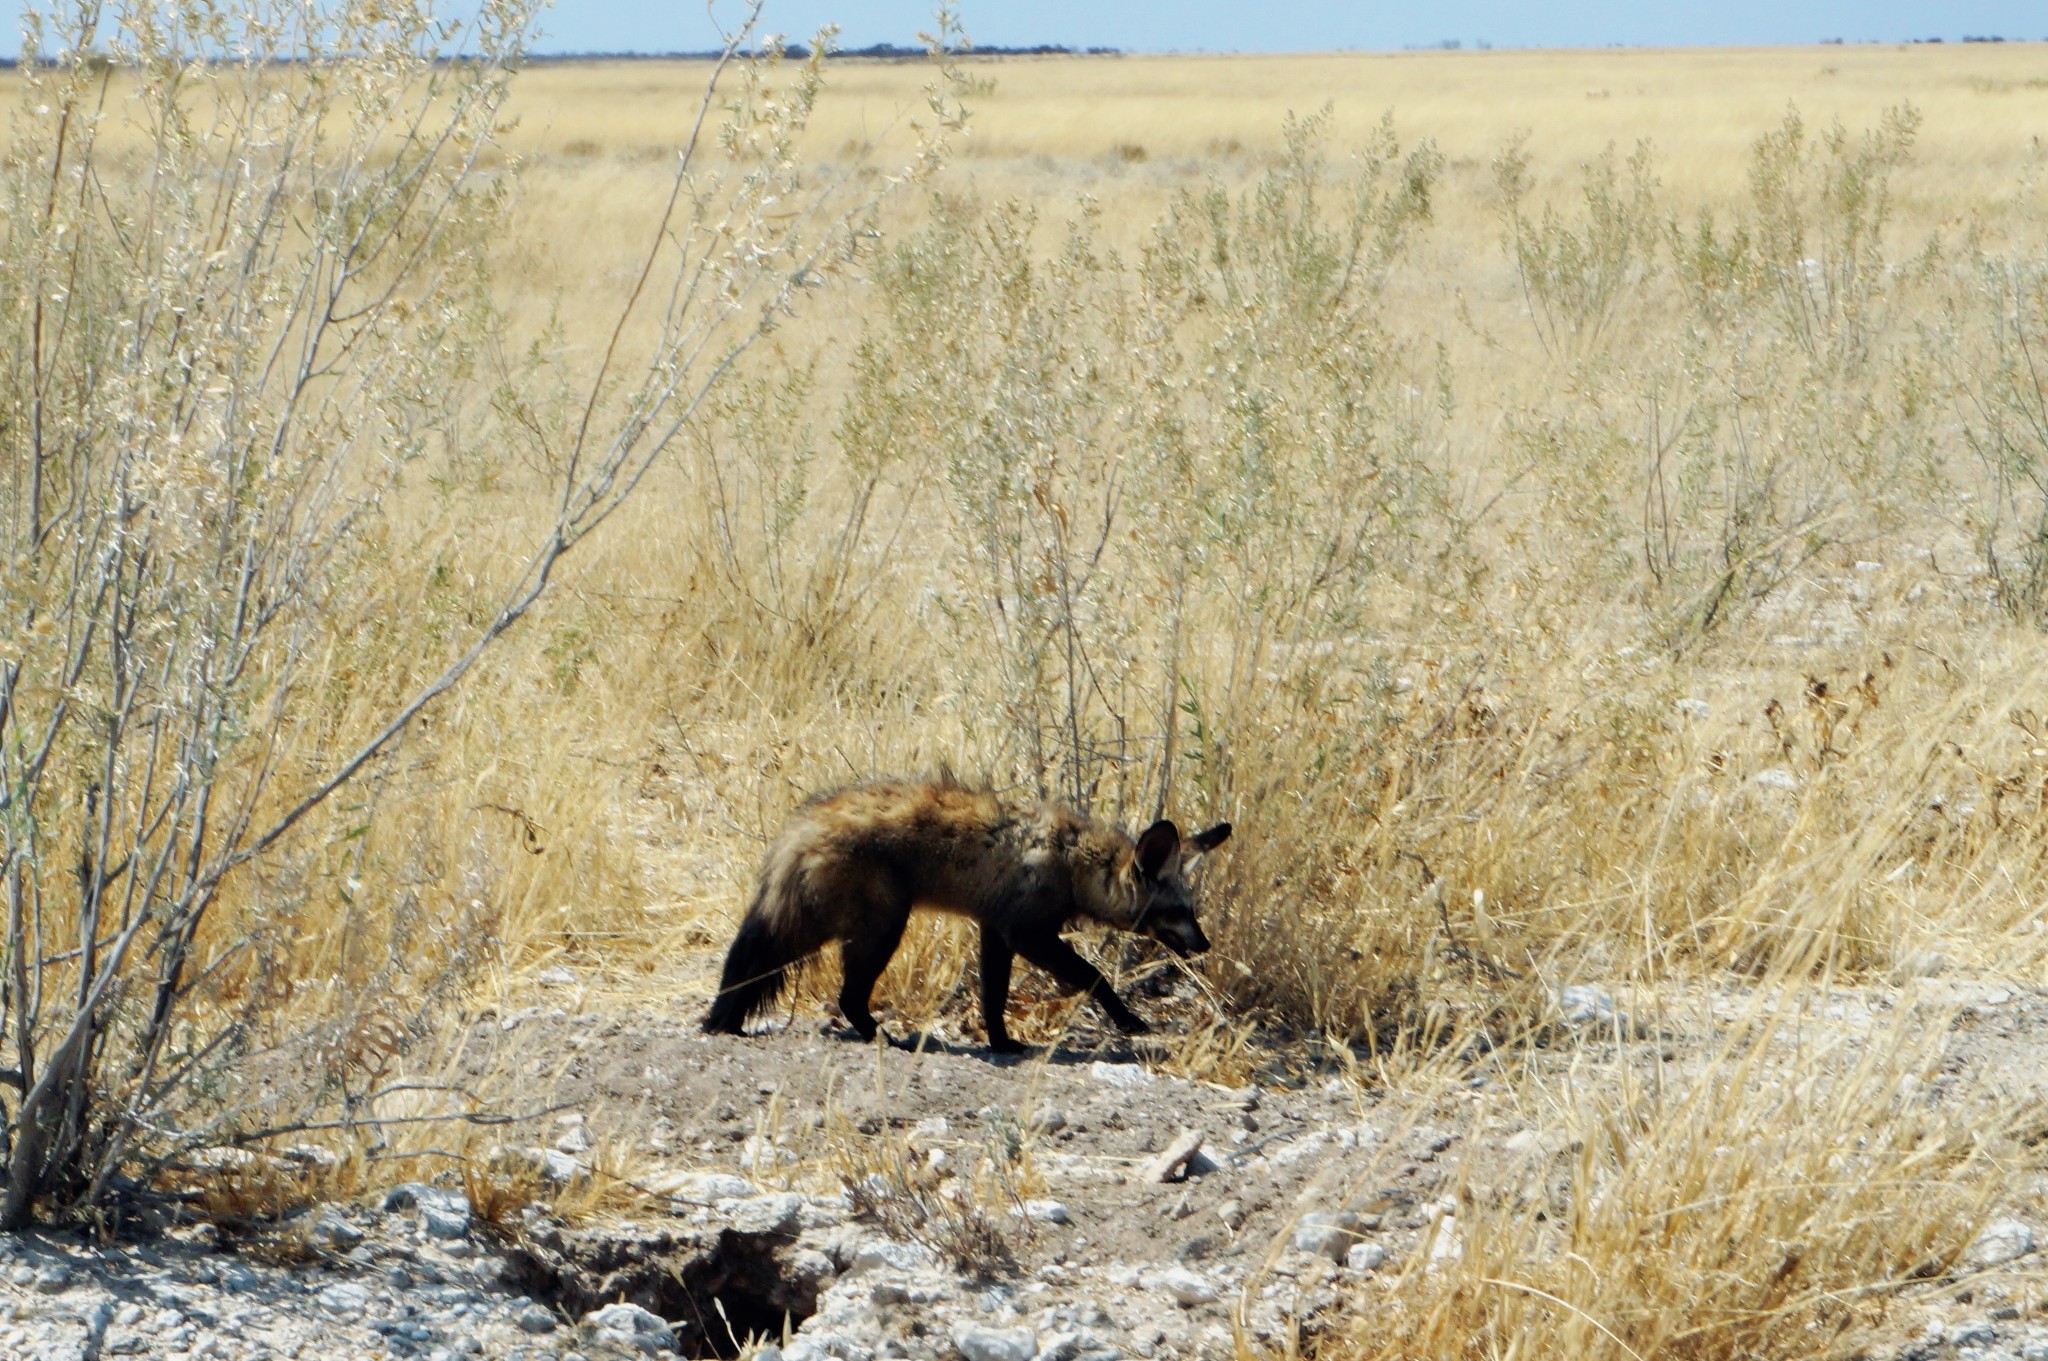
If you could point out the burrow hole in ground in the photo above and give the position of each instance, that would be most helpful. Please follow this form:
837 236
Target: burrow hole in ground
717 1299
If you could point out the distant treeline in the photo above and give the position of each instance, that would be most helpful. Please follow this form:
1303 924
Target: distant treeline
898 52
795 51
872 52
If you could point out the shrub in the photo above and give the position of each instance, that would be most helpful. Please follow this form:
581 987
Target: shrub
246 327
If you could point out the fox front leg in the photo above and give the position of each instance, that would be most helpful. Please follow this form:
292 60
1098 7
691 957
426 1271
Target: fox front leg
1063 962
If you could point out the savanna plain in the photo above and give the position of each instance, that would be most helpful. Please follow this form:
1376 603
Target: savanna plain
1582 517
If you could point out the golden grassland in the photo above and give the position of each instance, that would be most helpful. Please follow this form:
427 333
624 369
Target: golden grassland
1985 103
1671 631
1847 773
1129 132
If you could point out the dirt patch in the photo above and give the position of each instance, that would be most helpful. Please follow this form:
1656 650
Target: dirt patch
1075 1126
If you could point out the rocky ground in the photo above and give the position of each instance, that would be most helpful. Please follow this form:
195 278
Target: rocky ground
935 1202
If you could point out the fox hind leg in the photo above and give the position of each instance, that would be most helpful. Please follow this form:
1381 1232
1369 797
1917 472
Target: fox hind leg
863 957
996 955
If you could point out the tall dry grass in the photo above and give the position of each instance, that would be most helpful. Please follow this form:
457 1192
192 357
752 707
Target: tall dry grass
1647 609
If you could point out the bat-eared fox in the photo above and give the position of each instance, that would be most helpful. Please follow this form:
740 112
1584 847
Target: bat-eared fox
850 865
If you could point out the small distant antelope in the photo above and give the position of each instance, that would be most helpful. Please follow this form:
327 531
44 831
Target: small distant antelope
850 865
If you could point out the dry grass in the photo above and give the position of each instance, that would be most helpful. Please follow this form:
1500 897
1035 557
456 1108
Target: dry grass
1842 772
1763 1206
1502 746
1051 115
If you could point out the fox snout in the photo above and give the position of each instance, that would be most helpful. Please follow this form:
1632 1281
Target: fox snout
1183 938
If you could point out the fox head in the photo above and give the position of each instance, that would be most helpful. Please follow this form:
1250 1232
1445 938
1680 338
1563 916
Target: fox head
1161 904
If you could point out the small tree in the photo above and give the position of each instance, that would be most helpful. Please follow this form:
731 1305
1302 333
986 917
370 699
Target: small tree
241 292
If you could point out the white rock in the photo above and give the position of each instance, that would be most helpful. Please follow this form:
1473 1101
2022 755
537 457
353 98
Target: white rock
708 1188
882 1254
630 1325
1581 1005
555 977
560 1168
444 1214
1694 708
1045 1211
1366 1256
1449 1244
978 1343
910 1288
1126 1076
1775 778
627 1318
236 1277
807 1269
1999 1242
1307 1146
331 1228
1048 1121
535 1318
446 1219
769 1214
1188 1288
1326 1234
312 1155
344 1299
1525 1141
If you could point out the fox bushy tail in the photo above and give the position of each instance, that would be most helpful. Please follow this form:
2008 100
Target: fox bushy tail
756 970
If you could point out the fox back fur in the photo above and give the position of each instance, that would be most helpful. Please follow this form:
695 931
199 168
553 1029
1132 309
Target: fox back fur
850 865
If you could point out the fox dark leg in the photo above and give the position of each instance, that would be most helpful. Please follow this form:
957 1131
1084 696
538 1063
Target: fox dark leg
996 955
1063 962
863 958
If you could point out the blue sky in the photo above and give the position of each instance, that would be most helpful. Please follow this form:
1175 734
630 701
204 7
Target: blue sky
1287 25
1310 25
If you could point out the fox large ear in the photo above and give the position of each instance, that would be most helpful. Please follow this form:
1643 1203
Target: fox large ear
1211 839
1156 847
